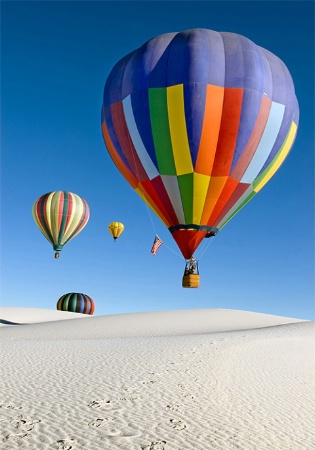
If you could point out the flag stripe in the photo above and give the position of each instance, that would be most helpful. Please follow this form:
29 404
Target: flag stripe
156 245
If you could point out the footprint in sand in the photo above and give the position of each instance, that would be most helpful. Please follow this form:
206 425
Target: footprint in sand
186 395
65 444
99 403
7 406
99 422
157 445
177 424
25 425
172 407
15 437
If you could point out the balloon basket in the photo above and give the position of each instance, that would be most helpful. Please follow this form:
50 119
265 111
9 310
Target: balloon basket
191 280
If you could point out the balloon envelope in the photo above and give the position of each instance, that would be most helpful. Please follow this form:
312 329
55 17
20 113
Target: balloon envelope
76 302
198 122
115 229
60 216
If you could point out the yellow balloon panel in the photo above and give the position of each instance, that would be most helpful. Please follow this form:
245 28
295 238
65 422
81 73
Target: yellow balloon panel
115 229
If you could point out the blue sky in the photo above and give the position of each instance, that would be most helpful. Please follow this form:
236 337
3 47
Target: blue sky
55 58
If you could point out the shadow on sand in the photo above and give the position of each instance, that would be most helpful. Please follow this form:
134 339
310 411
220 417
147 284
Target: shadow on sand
7 322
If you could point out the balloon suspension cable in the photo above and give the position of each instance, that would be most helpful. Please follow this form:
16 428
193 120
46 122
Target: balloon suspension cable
176 253
155 232
203 250
146 204
150 217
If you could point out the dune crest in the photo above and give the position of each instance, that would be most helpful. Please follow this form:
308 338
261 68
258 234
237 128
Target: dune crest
156 323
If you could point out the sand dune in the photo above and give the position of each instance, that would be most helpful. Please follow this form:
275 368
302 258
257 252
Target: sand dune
157 323
169 380
20 316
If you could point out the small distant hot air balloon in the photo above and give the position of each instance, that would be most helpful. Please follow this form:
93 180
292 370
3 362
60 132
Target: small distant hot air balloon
115 229
60 216
76 302
198 122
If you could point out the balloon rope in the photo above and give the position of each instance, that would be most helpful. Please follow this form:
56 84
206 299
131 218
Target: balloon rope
206 246
148 209
149 213
140 187
176 253
150 218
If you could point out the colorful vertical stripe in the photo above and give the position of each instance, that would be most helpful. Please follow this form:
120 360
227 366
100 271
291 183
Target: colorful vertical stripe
77 303
199 122
60 216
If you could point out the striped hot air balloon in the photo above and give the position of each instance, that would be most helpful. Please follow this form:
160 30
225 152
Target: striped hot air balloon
76 302
60 216
198 122
115 229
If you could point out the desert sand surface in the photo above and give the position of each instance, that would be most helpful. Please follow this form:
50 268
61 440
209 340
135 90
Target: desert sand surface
198 379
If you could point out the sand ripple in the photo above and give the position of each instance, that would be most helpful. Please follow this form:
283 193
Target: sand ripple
248 390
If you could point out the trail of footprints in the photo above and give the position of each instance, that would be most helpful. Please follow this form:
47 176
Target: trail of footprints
107 404
25 426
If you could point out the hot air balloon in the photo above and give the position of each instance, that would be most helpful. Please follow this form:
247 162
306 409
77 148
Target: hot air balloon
115 229
60 216
76 302
198 122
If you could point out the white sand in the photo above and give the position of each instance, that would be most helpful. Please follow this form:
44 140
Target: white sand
173 380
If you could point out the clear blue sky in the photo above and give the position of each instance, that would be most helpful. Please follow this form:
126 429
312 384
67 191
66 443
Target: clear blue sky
55 58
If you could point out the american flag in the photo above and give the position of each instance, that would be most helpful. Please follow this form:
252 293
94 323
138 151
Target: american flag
156 245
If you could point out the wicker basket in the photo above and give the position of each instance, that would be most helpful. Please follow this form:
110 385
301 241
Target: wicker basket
191 280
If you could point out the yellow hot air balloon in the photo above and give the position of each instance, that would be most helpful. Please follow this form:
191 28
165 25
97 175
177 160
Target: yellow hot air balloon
115 229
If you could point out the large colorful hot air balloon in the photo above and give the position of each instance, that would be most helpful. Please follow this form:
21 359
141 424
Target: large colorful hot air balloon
198 122
115 229
76 302
60 216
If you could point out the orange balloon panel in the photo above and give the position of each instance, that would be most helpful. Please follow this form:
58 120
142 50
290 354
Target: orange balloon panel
198 122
